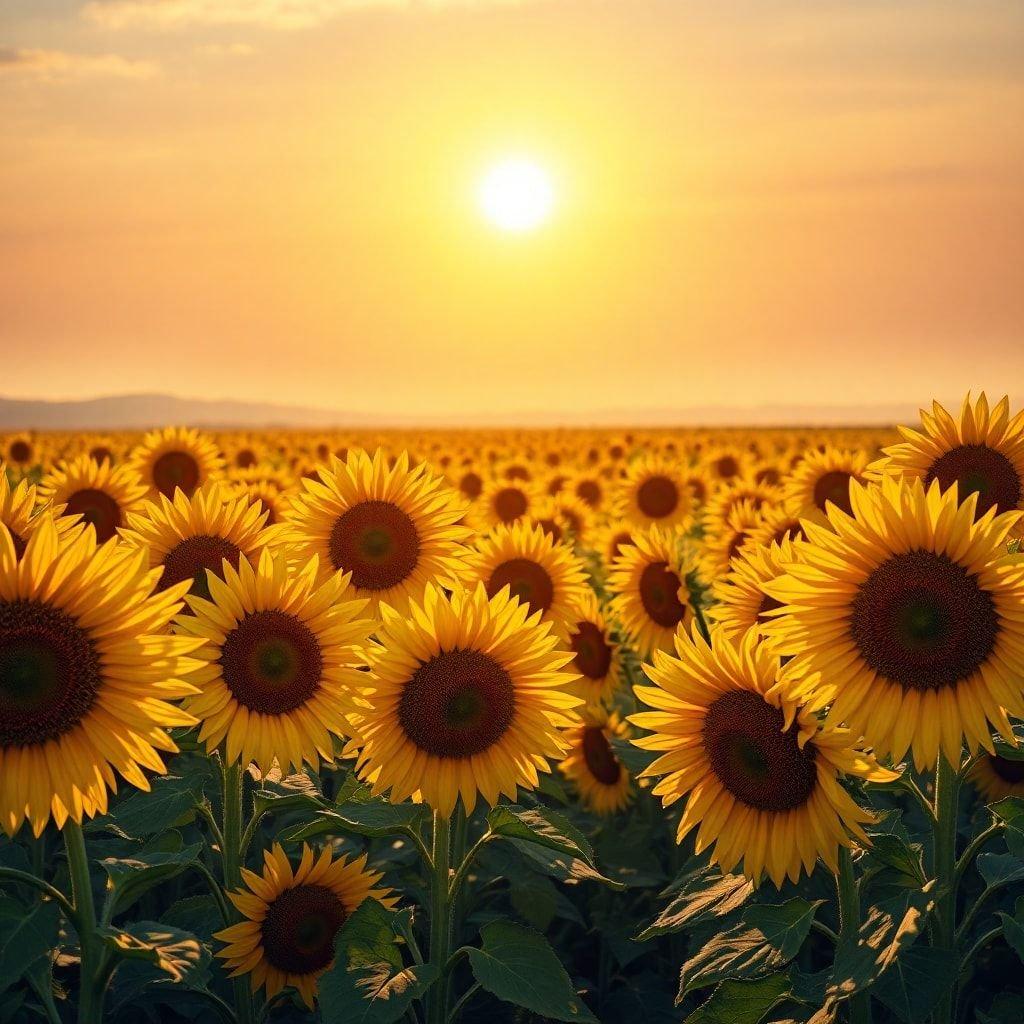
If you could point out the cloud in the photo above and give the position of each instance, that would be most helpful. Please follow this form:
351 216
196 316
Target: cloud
277 14
58 65
226 50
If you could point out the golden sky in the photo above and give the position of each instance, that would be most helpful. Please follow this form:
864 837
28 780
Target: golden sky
757 202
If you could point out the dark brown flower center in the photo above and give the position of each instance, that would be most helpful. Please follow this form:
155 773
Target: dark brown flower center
768 475
457 704
527 580
698 489
659 594
101 453
727 466
551 528
834 486
245 458
1007 769
600 757
618 542
593 653
190 559
979 469
174 470
50 673
768 604
590 492
657 497
471 485
300 927
272 662
97 508
510 504
377 542
20 451
921 620
753 758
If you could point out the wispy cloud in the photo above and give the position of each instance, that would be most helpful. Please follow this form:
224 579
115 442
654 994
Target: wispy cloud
58 65
276 14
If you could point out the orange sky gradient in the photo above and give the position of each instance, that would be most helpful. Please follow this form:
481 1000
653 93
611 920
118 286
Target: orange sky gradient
758 202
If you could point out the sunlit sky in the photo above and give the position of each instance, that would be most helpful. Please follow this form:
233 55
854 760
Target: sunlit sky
754 202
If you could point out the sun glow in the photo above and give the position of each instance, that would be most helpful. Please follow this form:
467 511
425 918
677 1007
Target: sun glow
516 195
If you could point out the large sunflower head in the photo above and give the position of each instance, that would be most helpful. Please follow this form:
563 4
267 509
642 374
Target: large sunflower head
591 766
188 537
906 617
653 491
822 478
86 672
597 658
292 917
760 773
982 452
651 598
282 655
504 502
535 569
394 528
467 695
98 494
176 458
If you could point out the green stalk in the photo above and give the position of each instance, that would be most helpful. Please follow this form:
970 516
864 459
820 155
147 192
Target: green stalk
440 923
849 923
947 791
92 988
231 855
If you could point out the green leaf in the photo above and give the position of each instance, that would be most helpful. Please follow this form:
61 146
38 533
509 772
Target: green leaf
130 877
888 929
1013 927
1011 810
26 935
542 826
891 851
763 941
376 818
172 801
368 982
914 984
518 966
701 894
292 793
633 757
742 1002
535 900
177 955
563 867
999 869
629 858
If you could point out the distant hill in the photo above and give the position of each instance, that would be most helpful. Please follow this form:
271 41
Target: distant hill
134 412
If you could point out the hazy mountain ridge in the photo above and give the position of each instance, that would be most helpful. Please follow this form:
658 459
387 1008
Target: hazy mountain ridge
138 411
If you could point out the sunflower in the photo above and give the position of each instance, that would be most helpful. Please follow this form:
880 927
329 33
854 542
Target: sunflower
86 672
394 529
574 516
612 539
723 543
541 573
20 514
996 777
823 477
760 773
281 657
20 451
504 502
649 583
740 600
98 494
596 656
589 488
191 535
176 458
597 775
467 695
907 620
776 524
653 492
291 918
983 453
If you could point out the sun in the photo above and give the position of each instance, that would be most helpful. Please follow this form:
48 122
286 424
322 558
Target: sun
516 195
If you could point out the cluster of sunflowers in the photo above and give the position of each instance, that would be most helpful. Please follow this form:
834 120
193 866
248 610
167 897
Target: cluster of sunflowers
398 635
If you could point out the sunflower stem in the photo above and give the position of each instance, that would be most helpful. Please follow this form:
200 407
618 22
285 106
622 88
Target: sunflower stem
440 922
231 854
92 986
849 924
947 791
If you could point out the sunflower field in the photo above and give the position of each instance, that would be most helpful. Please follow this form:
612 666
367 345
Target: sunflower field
714 726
